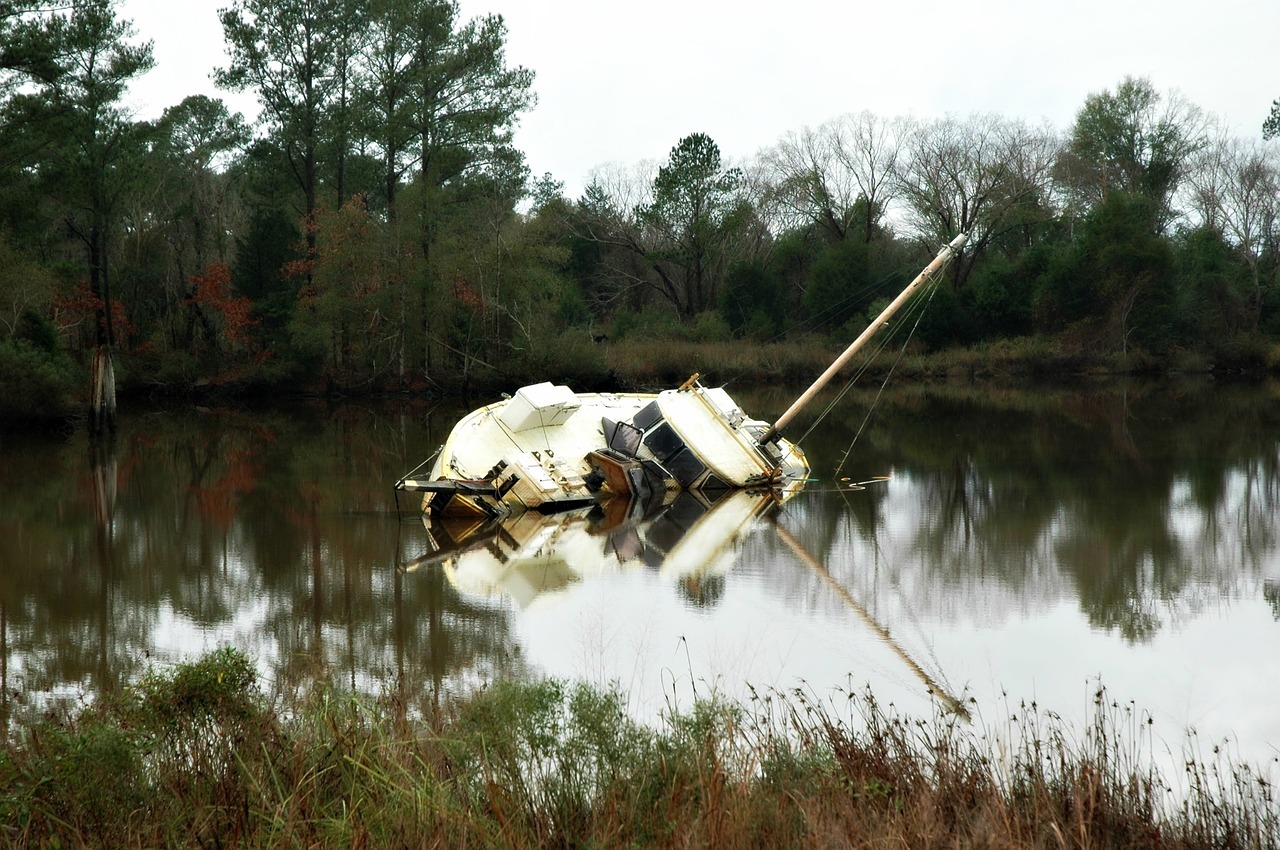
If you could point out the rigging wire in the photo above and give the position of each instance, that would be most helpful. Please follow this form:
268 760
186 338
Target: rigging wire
916 305
920 311
857 374
823 317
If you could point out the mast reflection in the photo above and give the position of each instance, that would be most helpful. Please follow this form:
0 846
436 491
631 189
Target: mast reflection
690 542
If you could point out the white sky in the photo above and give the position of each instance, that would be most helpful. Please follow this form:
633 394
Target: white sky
624 82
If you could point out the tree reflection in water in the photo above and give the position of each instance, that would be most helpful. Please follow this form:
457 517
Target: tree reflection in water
1145 499
277 532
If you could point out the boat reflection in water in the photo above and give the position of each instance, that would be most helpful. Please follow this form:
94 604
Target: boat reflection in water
543 562
530 556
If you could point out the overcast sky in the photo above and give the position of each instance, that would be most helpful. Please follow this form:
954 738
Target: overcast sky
624 82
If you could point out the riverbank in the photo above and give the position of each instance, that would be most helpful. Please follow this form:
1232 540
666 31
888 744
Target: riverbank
40 396
198 757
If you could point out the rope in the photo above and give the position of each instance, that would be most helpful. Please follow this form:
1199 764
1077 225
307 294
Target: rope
413 472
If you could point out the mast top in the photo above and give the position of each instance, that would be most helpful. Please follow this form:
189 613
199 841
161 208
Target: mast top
944 255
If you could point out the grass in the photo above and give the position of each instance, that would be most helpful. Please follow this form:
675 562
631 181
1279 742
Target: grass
199 758
666 358
646 363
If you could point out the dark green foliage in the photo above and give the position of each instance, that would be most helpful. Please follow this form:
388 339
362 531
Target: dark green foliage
945 320
1132 141
91 149
35 381
28 46
999 296
1133 270
840 283
752 300
654 322
263 253
573 308
1119 274
694 212
1214 290
1271 126
40 332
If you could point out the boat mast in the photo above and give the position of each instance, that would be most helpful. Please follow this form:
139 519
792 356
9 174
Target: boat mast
945 255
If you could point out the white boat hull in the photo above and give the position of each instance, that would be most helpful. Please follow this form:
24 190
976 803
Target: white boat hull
548 448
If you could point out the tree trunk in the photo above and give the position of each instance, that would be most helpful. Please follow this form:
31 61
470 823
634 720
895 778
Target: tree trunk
102 392
102 404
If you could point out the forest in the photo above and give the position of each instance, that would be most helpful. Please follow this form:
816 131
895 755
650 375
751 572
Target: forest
377 230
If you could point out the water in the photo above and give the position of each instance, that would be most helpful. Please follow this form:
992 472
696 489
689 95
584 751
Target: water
1026 545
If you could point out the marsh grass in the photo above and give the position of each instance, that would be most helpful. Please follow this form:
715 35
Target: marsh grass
650 363
199 758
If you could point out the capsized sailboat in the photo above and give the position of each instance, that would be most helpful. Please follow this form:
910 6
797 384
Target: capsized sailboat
548 448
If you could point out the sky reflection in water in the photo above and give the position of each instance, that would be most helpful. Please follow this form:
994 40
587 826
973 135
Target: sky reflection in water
1026 543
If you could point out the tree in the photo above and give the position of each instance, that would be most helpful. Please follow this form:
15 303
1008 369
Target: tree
1131 140
819 175
287 51
1117 275
193 139
976 177
839 284
343 315
466 99
344 120
689 220
751 298
177 224
90 150
440 103
26 289
384 92
466 102
1236 192
1271 126
27 49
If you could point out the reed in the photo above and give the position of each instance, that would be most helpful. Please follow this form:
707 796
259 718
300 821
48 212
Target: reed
651 363
200 758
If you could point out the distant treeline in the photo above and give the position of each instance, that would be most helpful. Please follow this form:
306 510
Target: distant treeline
379 230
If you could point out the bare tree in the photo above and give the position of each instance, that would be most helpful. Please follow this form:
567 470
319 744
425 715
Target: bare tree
1234 188
974 176
627 187
755 239
606 217
676 235
820 174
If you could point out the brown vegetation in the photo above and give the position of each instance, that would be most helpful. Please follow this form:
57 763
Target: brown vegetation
198 759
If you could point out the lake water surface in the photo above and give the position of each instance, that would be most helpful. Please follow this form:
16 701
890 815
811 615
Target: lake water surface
1026 545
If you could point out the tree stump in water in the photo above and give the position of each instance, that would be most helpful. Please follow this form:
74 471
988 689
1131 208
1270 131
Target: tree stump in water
102 403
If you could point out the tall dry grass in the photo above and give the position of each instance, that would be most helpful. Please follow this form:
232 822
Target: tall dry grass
199 758
661 363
